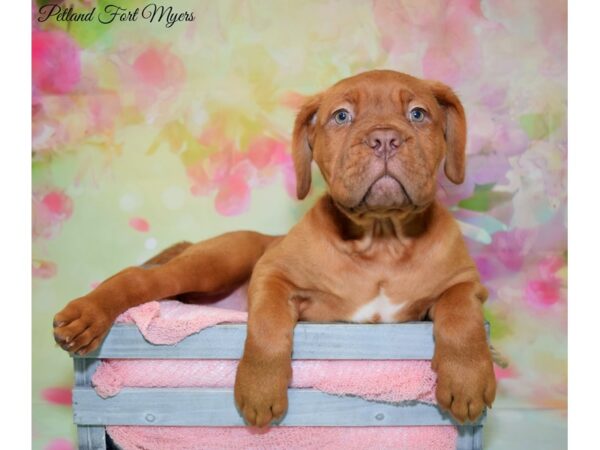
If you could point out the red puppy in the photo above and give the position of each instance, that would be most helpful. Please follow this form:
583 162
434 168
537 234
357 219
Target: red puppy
377 247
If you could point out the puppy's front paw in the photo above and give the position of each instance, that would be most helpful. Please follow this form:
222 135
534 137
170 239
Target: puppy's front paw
261 389
466 382
81 325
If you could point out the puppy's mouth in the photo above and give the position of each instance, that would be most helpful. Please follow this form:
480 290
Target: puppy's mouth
386 193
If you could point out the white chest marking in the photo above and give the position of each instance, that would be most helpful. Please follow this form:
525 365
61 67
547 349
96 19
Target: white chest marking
380 306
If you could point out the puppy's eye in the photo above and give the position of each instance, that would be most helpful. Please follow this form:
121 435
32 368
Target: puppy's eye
342 116
417 114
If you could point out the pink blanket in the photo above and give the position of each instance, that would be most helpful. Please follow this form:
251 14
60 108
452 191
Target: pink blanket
168 322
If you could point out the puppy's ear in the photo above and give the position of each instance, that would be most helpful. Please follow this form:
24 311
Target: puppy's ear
302 140
455 131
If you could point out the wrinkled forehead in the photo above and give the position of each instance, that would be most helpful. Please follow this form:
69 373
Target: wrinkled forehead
380 91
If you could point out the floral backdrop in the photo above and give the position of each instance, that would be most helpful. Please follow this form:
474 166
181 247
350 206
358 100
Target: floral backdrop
146 134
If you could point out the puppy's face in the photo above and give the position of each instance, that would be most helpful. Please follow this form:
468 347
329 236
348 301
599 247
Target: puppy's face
378 139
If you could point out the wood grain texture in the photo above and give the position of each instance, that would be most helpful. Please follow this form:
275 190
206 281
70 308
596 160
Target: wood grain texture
412 340
215 407
84 370
470 437
91 437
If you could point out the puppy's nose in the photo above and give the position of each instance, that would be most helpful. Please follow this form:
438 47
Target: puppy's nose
384 142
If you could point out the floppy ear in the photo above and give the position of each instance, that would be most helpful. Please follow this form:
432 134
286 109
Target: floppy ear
455 131
302 144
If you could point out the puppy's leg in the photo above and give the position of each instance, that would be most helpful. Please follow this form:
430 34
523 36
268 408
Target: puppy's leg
168 253
265 369
216 265
462 359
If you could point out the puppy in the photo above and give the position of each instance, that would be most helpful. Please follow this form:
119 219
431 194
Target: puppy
377 247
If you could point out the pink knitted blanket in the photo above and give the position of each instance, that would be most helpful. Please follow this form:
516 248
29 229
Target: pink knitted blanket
168 322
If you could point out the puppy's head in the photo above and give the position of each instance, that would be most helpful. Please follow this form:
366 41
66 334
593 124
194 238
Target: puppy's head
378 139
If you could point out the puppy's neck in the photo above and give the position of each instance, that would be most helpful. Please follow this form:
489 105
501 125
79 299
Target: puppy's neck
361 233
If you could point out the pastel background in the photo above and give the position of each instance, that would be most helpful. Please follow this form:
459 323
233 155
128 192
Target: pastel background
145 135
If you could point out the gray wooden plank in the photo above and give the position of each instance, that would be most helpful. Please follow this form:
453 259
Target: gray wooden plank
478 437
465 438
311 341
412 340
215 407
469 437
91 437
84 370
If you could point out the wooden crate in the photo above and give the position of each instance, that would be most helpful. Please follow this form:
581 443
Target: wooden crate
215 407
